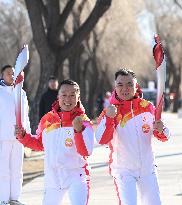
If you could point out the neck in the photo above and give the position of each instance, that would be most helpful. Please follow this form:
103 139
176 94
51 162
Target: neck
61 110
8 84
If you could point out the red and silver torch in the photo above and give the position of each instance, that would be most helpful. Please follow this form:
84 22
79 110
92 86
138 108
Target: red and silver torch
160 61
21 62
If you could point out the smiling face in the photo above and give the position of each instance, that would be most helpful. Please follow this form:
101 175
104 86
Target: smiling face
68 97
125 86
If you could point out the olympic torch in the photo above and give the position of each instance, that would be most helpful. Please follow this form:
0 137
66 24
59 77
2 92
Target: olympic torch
21 62
160 61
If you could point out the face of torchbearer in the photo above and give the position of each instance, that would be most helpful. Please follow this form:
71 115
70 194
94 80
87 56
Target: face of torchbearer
125 87
8 76
68 97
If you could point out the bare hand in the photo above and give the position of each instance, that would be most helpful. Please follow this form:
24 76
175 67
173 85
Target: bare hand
77 124
158 126
19 132
111 111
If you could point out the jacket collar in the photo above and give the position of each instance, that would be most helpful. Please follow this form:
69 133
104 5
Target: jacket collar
2 82
124 103
67 117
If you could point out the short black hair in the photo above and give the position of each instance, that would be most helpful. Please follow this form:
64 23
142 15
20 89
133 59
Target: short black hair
5 67
70 82
52 78
125 72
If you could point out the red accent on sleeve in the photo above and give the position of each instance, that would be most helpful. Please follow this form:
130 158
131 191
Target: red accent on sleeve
108 133
80 144
32 142
160 136
35 142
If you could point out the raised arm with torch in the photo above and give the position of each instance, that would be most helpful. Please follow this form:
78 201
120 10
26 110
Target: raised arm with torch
159 58
160 62
13 111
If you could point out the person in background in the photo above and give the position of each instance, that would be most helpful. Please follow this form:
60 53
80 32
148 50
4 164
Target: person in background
99 104
128 125
49 97
66 136
11 150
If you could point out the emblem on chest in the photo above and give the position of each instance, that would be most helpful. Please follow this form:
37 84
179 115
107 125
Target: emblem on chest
145 128
68 142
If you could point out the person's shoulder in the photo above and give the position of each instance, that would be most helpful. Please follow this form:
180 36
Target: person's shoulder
48 116
146 104
51 92
51 116
85 117
49 119
2 87
44 95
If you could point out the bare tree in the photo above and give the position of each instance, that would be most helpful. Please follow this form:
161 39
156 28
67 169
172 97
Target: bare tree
168 23
173 50
13 31
85 65
48 20
178 3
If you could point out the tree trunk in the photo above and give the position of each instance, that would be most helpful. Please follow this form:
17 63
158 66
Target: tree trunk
48 23
47 69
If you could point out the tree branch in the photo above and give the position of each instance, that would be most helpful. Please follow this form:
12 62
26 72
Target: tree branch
178 4
77 15
44 13
53 12
63 17
53 15
100 8
38 29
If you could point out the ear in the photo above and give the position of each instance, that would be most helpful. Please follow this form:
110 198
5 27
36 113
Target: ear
138 90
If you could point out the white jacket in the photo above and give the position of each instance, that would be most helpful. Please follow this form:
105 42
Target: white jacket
7 113
65 150
129 135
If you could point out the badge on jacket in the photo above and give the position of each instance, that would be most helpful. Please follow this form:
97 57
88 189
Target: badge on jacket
68 142
145 128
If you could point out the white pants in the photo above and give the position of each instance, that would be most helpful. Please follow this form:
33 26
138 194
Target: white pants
147 186
78 193
11 177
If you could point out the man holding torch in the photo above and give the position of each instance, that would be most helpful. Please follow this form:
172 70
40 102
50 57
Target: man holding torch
11 150
128 126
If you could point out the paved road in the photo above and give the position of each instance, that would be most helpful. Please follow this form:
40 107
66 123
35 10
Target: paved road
168 158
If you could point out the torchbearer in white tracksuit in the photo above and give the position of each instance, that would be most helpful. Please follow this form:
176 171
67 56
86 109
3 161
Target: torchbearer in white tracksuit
128 126
66 136
11 150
